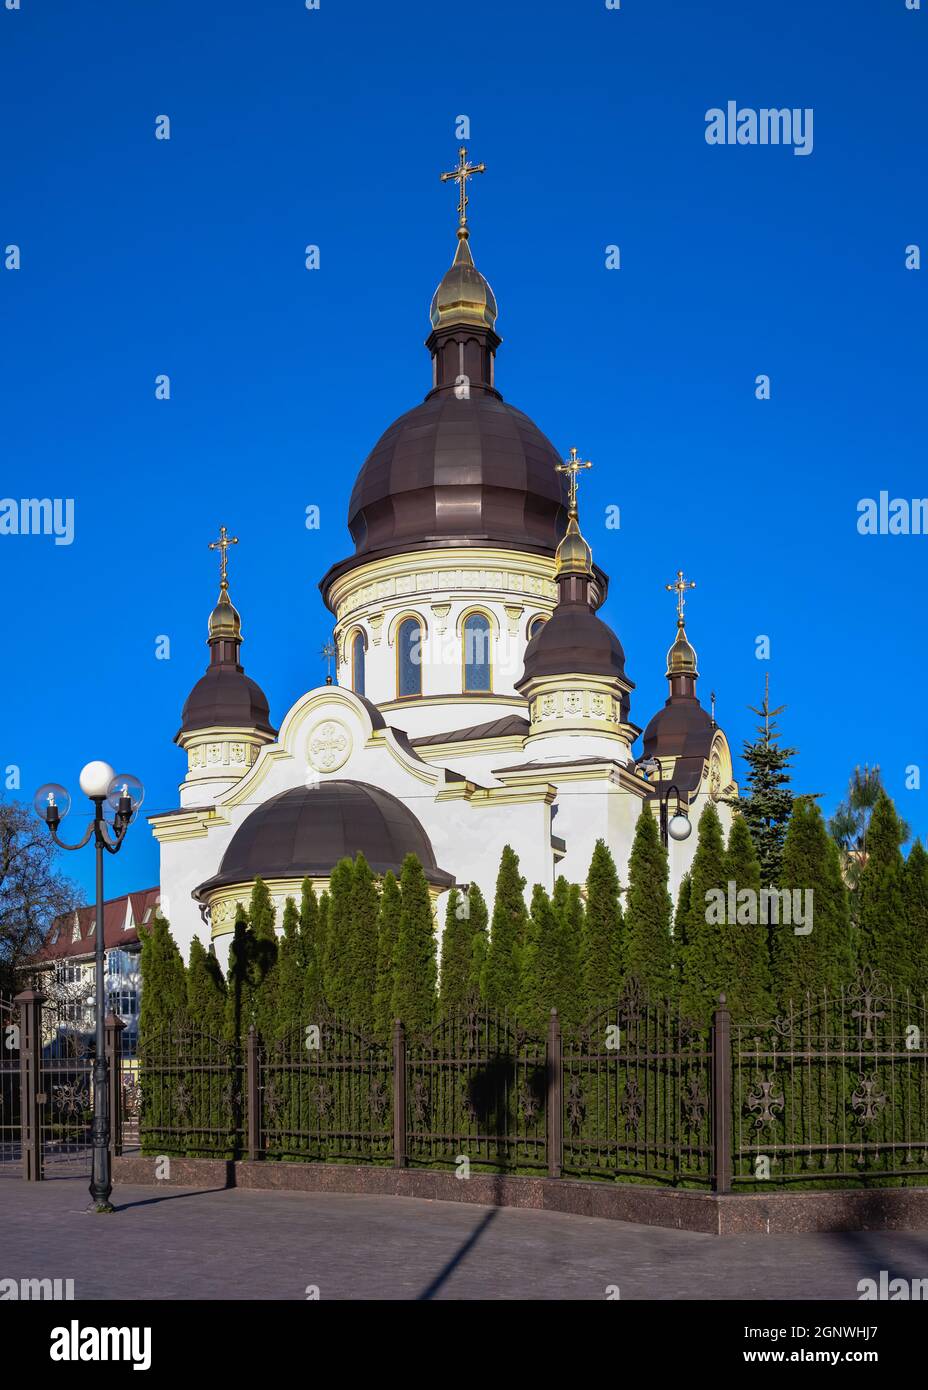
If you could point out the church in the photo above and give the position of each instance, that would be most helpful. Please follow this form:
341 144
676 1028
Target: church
479 699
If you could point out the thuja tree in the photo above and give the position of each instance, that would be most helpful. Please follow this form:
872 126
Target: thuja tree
416 968
362 961
507 936
456 954
291 976
541 974
916 911
479 942
766 800
206 990
681 917
337 969
252 956
810 962
883 933
704 966
162 1017
648 910
602 947
388 928
568 907
206 1113
164 982
744 942
309 951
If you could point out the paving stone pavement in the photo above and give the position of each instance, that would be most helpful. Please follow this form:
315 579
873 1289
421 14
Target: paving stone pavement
168 1243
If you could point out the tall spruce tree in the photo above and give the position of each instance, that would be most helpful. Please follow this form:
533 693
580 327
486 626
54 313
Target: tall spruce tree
916 911
388 928
704 966
416 970
602 944
508 933
456 954
164 982
811 962
206 991
362 966
745 945
337 970
322 939
238 991
766 801
883 941
648 910
479 943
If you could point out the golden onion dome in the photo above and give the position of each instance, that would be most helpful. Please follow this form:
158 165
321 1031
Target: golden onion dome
573 555
463 294
224 621
681 659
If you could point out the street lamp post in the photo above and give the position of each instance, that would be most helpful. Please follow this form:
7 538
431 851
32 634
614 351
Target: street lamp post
124 795
673 827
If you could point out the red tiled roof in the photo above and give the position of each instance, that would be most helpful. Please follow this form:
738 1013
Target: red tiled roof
114 919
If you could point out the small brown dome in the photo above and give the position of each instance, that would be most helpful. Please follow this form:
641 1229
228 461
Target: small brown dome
574 641
226 698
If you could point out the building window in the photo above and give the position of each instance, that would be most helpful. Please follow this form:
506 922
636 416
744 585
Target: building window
535 627
477 634
409 658
357 663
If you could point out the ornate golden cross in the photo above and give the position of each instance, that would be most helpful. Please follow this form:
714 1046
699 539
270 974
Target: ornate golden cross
572 466
222 545
681 587
461 174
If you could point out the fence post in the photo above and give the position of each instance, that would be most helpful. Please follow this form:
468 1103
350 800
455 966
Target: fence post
399 1094
253 1091
30 1065
554 1107
114 1027
721 1098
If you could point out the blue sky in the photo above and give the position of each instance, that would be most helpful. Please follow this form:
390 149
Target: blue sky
330 127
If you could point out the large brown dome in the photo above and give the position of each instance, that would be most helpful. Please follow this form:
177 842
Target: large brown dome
455 472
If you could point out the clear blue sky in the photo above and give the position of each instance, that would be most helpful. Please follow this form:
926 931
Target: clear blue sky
291 126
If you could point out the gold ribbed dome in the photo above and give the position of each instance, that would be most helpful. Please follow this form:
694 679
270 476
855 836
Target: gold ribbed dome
463 294
224 621
681 659
573 555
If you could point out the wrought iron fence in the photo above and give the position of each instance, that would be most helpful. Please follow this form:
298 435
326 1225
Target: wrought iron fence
476 1090
10 1078
324 1093
637 1095
190 1094
834 1090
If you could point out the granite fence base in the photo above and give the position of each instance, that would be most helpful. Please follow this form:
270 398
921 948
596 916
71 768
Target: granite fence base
780 1213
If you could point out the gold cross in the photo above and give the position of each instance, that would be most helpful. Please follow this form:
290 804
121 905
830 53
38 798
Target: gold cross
681 587
572 466
461 174
222 545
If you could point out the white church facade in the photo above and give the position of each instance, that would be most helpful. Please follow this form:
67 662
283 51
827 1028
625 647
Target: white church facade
479 700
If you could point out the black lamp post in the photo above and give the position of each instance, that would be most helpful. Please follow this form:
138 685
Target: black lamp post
673 827
124 794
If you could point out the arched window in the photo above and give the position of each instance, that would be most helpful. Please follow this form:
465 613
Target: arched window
477 635
357 663
409 658
535 627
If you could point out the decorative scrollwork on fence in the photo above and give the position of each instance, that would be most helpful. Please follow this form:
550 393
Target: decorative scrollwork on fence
576 1107
631 1105
867 1101
70 1098
869 994
695 1103
764 1105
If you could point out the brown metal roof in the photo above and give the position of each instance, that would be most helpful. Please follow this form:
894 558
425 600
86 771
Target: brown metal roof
509 726
69 944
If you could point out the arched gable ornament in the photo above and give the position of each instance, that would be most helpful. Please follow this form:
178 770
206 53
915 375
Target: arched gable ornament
328 746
